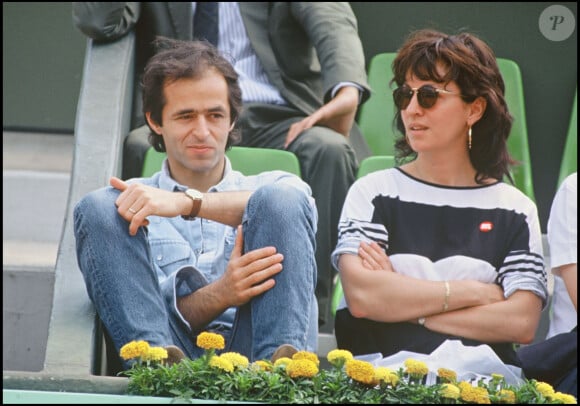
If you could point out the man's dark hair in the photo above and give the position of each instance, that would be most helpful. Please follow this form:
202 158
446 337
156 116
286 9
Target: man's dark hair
175 60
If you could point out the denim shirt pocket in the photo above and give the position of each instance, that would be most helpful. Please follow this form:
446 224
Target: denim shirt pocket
170 256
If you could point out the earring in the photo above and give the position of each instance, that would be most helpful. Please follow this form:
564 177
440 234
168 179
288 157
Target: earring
469 138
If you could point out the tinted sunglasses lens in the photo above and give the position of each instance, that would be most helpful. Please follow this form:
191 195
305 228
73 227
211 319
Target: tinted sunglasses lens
402 97
427 96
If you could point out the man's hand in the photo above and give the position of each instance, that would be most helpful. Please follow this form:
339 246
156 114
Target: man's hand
251 274
338 114
137 201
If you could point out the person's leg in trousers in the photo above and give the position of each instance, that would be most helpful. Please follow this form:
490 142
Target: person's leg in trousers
328 163
281 216
120 277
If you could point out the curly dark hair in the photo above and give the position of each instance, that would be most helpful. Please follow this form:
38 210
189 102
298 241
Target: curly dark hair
471 63
178 59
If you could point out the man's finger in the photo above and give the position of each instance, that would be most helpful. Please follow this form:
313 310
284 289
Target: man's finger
118 183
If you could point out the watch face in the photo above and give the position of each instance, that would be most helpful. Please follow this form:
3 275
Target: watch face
195 194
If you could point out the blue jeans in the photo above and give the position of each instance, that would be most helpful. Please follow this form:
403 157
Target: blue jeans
123 285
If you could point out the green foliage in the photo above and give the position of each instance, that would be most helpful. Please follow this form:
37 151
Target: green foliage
195 379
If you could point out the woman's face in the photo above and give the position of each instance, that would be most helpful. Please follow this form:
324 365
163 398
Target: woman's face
441 127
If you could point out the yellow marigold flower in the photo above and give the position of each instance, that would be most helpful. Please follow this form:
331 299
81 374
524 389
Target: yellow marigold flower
339 357
464 385
447 375
545 389
416 369
382 374
134 349
156 354
507 396
221 363
211 341
301 368
237 359
284 361
360 371
474 394
564 398
306 355
386 375
393 379
450 391
263 365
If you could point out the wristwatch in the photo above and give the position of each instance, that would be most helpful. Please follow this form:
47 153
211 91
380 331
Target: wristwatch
196 196
421 321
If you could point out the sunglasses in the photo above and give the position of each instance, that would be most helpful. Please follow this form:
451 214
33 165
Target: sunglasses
426 96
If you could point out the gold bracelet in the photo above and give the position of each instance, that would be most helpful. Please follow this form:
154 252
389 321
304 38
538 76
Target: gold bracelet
447 294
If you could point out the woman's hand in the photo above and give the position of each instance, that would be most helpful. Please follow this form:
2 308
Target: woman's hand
374 257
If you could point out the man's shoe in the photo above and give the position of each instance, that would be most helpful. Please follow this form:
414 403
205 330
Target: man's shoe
285 350
174 355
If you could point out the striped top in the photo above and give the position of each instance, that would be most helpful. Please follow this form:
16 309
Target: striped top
490 233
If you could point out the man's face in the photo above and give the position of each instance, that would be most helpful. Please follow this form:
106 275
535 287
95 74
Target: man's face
196 124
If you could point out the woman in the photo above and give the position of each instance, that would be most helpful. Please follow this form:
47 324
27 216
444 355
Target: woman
440 247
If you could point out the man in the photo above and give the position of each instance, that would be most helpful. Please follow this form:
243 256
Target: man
554 360
198 246
302 72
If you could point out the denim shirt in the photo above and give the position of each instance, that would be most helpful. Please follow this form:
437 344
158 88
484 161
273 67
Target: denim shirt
189 254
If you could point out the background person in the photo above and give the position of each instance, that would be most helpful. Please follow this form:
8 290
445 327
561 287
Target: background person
554 360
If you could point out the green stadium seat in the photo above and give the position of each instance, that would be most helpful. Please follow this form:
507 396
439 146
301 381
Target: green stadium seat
518 145
569 162
377 114
248 160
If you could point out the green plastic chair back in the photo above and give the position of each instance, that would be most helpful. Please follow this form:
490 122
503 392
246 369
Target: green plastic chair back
375 163
376 116
368 165
248 160
569 162
518 145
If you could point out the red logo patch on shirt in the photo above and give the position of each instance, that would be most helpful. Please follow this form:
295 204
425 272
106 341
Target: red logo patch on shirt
486 226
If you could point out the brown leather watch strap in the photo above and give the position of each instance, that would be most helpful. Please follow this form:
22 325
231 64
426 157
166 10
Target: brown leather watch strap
196 197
